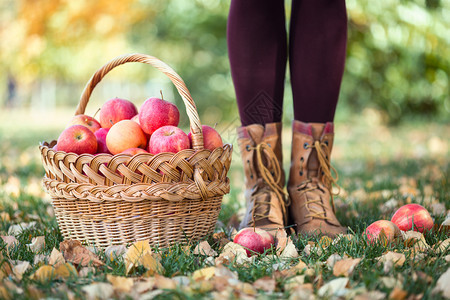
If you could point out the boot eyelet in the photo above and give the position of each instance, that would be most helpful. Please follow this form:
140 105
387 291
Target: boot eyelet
301 173
268 144
247 148
248 160
323 173
305 145
326 143
251 176
326 156
302 159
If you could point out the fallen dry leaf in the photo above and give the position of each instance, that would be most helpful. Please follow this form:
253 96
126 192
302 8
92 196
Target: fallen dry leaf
37 244
331 261
10 241
39 258
443 284
44 273
152 265
85 271
293 282
137 253
335 287
325 241
98 291
233 252
65 271
203 248
165 283
345 266
56 258
266 284
289 251
303 292
20 268
447 258
75 253
312 249
18 228
372 295
398 259
4 216
204 274
115 251
281 240
442 246
120 284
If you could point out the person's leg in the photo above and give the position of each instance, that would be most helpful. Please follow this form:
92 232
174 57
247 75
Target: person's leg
257 50
318 38
317 48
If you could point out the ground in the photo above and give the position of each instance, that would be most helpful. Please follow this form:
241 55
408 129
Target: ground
380 168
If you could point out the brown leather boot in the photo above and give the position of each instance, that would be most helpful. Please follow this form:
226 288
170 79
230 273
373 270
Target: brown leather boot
264 176
310 180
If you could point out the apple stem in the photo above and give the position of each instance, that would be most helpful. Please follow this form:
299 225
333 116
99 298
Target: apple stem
162 96
97 112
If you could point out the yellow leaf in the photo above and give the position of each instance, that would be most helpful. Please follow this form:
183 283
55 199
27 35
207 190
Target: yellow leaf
44 273
345 266
398 294
204 274
56 258
135 253
325 241
65 271
442 246
4 216
120 284
151 264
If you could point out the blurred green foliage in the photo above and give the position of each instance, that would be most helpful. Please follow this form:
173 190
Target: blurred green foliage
398 50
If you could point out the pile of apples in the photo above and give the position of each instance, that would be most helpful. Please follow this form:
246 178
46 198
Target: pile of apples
408 217
124 130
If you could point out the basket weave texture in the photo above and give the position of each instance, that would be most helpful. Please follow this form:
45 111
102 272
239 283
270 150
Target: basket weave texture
165 198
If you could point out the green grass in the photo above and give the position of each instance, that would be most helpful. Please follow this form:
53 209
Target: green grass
372 171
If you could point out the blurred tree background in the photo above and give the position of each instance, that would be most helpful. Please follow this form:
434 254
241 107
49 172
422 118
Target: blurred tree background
398 58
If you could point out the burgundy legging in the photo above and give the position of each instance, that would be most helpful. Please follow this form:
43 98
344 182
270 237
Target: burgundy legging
257 48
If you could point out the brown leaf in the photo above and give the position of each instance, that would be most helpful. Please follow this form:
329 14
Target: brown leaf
289 251
56 258
303 292
75 253
331 261
120 284
398 259
266 284
4 216
5 267
203 248
10 241
37 244
282 240
442 246
345 266
398 294
372 295
204 274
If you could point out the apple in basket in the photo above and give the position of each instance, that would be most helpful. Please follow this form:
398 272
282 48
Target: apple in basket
413 217
87 121
101 140
124 135
77 139
155 113
115 110
133 151
211 138
254 240
168 139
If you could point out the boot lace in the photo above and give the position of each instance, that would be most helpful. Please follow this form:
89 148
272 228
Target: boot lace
271 179
313 186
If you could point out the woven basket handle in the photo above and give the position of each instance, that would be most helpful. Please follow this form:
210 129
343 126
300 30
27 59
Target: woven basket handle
191 110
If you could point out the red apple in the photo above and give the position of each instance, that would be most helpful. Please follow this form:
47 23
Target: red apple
382 230
168 139
409 213
124 135
155 113
211 138
87 121
101 140
254 240
115 110
133 151
77 139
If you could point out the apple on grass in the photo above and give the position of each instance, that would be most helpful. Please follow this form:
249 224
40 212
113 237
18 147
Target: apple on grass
254 240
87 121
124 135
168 139
77 139
413 217
211 138
115 110
382 230
155 113
101 140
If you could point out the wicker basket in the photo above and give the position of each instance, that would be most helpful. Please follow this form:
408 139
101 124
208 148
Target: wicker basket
166 198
